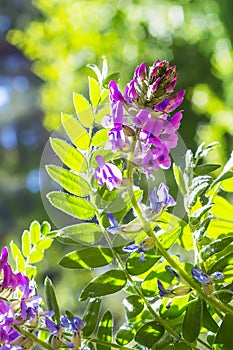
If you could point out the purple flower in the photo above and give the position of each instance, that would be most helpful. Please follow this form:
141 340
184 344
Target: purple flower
74 325
145 109
163 292
205 279
4 257
54 329
161 199
115 94
107 173
6 316
136 248
141 247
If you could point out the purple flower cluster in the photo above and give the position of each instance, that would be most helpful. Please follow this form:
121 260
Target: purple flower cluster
18 305
141 119
75 325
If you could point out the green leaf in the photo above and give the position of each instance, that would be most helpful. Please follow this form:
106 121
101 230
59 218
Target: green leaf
18 257
51 300
122 204
71 205
204 169
36 256
88 258
125 333
102 112
108 283
192 320
76 132
113 76
81 233
105 331
69 155
96 70
215 247
100 138
207 320
149 334
224 335
198 186
197 215
44 243
219 262
83 110
168 238
222 208
35 232
91 316
177 307
26 243
94 91
45 228
71 182
135 267
179 178
133 306
108 156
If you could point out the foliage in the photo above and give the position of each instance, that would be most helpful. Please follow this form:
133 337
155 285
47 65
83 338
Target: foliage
174 274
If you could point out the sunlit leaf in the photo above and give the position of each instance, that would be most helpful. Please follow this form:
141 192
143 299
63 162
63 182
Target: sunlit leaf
36 256
133 305
215 247
222 208
81 233
71 205
83 110
69 155
71 182
51 300
108 283
105 331
18 257
149 334
87 258
100 138
179 178
35 232
125 333
91 316
136 267
76 132
94 91
44 243
26 243
103 111
204 169
45 228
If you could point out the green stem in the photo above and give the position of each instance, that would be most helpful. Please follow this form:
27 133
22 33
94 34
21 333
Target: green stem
146 226
33 337
138 291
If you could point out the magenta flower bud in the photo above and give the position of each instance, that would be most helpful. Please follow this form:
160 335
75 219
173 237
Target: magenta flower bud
115 94
155 84
140 72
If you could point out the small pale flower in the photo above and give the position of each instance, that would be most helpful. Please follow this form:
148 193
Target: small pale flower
107 174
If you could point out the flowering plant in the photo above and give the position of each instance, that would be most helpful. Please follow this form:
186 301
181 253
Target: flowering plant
175 274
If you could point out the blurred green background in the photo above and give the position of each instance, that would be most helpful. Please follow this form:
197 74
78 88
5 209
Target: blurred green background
44 49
